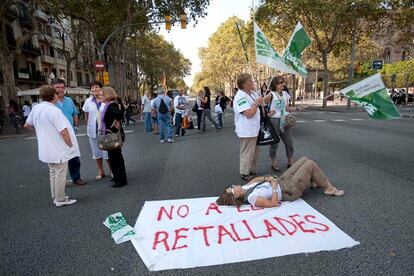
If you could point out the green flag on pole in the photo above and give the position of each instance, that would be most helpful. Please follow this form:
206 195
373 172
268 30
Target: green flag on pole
293 52
266 54
372 95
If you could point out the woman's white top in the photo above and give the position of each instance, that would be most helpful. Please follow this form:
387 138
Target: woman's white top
91 108
263 190
277 104
246 127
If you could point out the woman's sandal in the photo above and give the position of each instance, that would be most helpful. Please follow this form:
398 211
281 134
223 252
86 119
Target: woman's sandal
335 192
246 177
99 176
276 168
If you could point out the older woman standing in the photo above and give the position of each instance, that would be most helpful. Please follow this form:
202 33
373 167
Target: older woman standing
111 122
247 121
279 108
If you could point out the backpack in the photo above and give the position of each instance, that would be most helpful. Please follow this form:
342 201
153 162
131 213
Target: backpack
163 109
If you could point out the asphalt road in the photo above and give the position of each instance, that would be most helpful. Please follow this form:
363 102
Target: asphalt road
372 160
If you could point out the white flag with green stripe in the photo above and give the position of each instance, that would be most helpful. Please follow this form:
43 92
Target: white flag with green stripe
266 54
293 52
372 95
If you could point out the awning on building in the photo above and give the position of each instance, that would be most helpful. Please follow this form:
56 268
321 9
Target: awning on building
69 90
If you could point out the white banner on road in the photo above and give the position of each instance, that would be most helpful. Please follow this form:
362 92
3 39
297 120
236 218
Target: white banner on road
196 232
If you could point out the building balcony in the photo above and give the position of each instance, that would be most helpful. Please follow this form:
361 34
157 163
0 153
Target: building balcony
29 49
47 59
24 76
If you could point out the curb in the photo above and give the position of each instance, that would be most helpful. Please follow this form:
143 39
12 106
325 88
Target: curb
13 136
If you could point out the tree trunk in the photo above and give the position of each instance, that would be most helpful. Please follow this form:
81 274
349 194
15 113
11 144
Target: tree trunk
325 77
7 87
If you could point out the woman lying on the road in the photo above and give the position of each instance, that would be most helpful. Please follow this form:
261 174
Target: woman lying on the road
269 191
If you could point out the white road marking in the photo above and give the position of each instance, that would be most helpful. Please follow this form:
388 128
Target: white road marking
338 120
301 121
319 121
357 119
77 135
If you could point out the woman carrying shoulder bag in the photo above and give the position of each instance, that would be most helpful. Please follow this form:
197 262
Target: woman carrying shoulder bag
111 123
279 109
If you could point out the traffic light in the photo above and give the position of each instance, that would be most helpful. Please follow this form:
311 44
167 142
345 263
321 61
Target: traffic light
183 20
105 78
168 22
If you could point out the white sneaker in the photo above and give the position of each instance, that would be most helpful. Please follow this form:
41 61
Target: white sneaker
54 201
162 141
170 140
66 202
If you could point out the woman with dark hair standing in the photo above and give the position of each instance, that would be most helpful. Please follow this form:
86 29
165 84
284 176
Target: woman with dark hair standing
205 103
111 122
12 108
279 108
200 109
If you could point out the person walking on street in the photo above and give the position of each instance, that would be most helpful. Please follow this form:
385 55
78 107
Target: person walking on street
146 110
221 101
25 111
92 108
12 109
56 142
279 108
66 105
163 105
200 108
247 121
205 103
129 112
111 117
180 107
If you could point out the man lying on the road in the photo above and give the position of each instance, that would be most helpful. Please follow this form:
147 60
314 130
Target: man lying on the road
269 191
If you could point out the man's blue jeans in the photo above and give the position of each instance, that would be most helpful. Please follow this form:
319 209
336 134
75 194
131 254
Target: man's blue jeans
147 121
74 168
178 121
164 121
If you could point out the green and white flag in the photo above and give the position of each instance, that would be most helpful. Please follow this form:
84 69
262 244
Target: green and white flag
372 95
293 52
266 54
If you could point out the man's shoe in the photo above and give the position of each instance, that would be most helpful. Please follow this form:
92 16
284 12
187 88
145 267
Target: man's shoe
66 202
80 182
176 135
162 141
170 140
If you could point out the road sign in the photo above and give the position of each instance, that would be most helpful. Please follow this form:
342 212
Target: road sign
99 65
377 64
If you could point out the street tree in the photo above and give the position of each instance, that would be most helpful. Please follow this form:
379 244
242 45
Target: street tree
223 58
327 23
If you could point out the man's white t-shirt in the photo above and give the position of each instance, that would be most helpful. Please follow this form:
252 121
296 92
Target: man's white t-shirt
276 104
245 127
180 101
49 121
92 109
147 104
263 190
26 110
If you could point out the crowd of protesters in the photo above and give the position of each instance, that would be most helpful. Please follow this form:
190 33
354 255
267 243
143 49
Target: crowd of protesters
56 121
